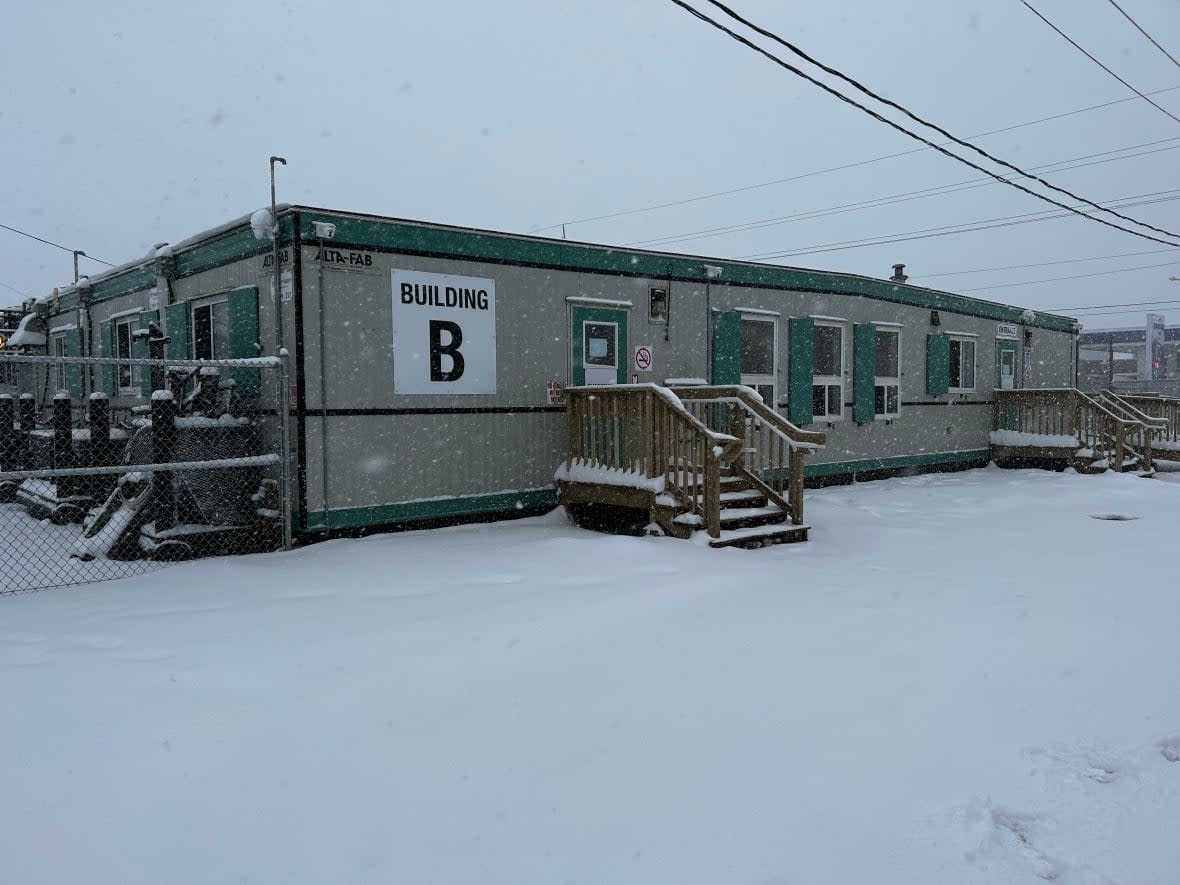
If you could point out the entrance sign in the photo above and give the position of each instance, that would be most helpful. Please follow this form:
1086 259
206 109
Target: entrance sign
1008 331
642 358
444 333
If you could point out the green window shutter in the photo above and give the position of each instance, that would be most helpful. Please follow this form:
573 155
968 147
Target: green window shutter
801 366
727 347
106 343
864 369
139 350
938 363
74 372
176 319
243 337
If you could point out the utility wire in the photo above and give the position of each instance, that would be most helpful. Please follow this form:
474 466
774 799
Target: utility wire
16 290
959 273
750 187
1081 276
1144 33
876 202
1075 45
770 35
51 243
1118 304
963 228
1119 313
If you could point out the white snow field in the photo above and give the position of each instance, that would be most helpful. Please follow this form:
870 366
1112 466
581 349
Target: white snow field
962 678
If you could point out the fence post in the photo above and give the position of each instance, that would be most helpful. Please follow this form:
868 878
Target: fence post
99 408
284 413
7 431
163 452
63 441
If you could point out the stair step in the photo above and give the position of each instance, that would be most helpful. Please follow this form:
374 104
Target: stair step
761 536
739 498
747 517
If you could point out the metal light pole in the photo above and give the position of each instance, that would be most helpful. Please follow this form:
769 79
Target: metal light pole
274 238
77 252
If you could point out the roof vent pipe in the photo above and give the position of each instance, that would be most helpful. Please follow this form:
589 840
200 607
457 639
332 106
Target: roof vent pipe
899 275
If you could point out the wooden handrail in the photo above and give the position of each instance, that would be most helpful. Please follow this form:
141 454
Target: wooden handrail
1163 409
771 456
645 431
796 436
1067 411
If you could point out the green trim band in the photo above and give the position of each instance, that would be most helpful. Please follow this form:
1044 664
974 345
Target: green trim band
474 245
840 468
474 505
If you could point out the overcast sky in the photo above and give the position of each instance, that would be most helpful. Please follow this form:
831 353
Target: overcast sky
124 124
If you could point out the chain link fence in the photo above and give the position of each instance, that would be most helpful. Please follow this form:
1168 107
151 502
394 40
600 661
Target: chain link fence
113 467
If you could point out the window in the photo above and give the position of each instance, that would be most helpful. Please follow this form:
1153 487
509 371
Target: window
887 373
61 382
657 305
962 365
124 331
211 331
758 356
598 344
827 379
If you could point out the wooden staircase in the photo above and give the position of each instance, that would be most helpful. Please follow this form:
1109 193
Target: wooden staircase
711 459
1091 433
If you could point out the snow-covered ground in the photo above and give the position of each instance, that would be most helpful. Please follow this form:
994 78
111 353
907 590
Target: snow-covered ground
961 679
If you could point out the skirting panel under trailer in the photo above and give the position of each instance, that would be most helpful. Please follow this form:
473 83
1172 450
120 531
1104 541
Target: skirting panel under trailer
504 505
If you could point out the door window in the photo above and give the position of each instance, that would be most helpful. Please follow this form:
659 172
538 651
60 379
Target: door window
600 345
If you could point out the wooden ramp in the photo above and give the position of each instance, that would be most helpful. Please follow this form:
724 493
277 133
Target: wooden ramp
712 459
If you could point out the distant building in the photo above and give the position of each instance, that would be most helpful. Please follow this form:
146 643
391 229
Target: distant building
1117 359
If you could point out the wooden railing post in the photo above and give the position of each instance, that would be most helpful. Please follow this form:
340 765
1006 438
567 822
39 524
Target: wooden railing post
796 493
1120 441
712 500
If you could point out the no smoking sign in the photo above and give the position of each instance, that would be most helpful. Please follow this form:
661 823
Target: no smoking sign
641 359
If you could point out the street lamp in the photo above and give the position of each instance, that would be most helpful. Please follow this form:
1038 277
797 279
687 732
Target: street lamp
274 238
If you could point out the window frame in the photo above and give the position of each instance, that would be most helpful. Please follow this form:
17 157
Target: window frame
829 381
653 318
210 303
886 381
756 379
57 344
961 338
131 323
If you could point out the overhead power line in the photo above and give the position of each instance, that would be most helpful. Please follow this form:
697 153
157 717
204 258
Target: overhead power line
876 202
959 273
951 229
750 187
1081 276
51 243
1117 304
1119 313
1154 43
1076 46
770 35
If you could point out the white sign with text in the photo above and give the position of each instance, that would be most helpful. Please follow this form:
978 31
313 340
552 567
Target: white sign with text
444 333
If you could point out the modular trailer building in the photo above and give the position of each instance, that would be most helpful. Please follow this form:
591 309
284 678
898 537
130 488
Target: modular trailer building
428 362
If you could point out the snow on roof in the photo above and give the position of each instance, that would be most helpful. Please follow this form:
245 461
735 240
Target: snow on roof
25 336
164 250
